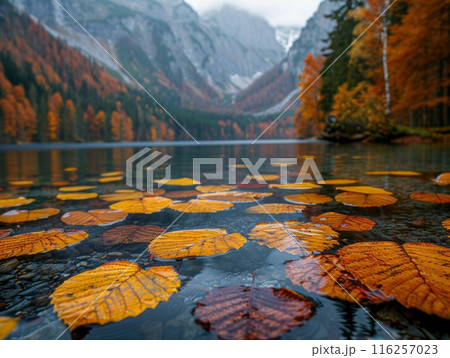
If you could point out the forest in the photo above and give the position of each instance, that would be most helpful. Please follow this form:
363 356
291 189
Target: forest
393 80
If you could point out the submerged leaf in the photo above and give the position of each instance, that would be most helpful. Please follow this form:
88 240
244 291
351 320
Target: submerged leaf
113 292
403 173
365 200
235 196
275 209
180 182
294 186
7 325
364 190
309 199
10 203
294 237
182 194
102 217
130 234
201 206
341 222
434 198
76 188
35 242
214 188
194 243
77 196
18 216
443 179
122 196
147 205
240 312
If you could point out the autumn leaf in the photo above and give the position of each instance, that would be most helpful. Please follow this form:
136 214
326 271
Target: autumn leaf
325 275
180 182
403 173
416 274
265 177
36 242
111 174
235 196
443 179
21 183
275 209
70 169
76 196
5 232
364 200
294 186
60 183
308 199
339 181
10 203
251 185
122 196
241 312
113 292
110 179
364 190
147 205
102 217
180 194
76 188
7 324
201 206
194 243
5 196
434 198
18 216
294 237
446 224
214 188
130 234
341 222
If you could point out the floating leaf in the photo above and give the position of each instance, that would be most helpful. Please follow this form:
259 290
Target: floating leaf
60 183
35 242
154 192
5 232
309 199
416 274
110 179
364 200
194 243
238 166
130 234
113 292
403 173
21 183
235 196
76 196
125 191
294 237
215 188
446 224
122 196
70 169
339 181
325 275
5 196
147 205
180 182
364 190
275 209
434 198
265 177
18 216
182 194
294 186
443 179
111 174
102 217
252 185
76 188
7 324
10 203
341 222
201 206
240 312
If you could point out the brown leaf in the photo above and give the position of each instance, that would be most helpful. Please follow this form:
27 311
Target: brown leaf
36 242
129 234
308 199
102 217
434 198
113 292
240 312
341 222
365 200
147 205
5 232
275 209
18 216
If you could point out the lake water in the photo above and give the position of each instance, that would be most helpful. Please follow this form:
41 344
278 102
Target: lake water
406 221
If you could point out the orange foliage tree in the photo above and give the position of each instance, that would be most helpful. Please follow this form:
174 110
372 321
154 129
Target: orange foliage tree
121 124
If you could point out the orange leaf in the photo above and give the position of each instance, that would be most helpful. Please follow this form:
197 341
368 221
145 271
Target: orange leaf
403 173
5 232
21 183
102 217
364 190
240 312
308 199
275 209
443 179
446 224
110 179
7 324
201 206
113 292
129 234
122 196
294 186
364 200
341 222
18 216
180 182
339 181
76 188
235 196
111 174
147 205
434 198
182 194
214 188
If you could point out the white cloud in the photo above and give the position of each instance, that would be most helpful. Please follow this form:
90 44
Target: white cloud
277 12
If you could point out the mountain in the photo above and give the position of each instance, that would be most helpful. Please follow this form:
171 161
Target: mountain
273 89
287 35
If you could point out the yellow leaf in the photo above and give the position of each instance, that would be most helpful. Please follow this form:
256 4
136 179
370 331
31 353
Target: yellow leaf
122 196
364 200
76 188
112 174
70 169
35 242
100 217
76 196
193 243
275 209
294 237
341 222
125 191
147 205
214 188
339 181
235 196
201 206
129 234
110 179
395 173
9 203
21 182
180 182
18 216
364 190
7 324
294 186
182 194
434 198
443 179
308 199
113 292
446 224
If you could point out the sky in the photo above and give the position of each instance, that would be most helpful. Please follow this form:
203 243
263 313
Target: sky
276 12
